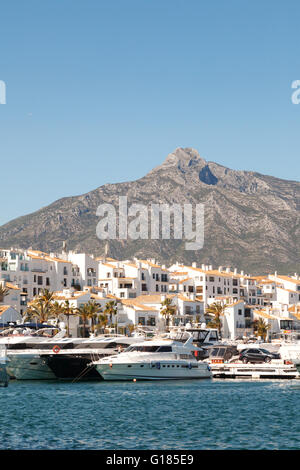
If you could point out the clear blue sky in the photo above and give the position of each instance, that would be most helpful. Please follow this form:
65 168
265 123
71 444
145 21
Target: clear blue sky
101 91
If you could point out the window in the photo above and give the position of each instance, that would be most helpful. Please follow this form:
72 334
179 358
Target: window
40 280
165 349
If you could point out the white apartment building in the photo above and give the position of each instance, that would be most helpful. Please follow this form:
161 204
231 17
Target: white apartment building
129 279
208 283
87 267
30 271
139 286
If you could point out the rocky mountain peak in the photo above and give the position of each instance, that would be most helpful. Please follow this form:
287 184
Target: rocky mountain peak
252 221
183 160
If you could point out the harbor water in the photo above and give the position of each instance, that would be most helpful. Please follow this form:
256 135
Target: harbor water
208 414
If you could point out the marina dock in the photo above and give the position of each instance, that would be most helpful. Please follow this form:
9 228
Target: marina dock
238 370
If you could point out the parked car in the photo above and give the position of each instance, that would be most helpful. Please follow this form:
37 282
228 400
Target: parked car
257 355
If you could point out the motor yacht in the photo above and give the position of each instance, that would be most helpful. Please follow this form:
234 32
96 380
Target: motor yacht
24 361
63 358
203 337
76 363
157 359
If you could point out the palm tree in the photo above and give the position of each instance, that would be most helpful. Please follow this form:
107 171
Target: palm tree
56 309
94 310
4 291
38 309
67 311
111 309
102 322
168 310
217 309
261 328
46 296
41 307
83 312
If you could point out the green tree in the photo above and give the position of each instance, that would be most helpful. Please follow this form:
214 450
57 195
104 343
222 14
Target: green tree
110 309
39 310
68 311
218 310
83 313
168 310
94 311
261 328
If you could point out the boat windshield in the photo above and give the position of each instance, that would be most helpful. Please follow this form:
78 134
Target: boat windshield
226 353
219 352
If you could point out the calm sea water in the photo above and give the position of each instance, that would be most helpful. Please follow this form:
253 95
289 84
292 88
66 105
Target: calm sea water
210 414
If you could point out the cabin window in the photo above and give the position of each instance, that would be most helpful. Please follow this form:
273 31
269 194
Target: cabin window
165 349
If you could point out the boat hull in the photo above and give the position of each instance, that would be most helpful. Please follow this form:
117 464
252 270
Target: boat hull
28 367
70 367
153 371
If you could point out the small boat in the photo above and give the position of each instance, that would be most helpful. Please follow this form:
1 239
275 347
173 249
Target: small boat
156 359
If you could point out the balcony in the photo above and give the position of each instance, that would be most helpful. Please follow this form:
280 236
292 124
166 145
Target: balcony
91 273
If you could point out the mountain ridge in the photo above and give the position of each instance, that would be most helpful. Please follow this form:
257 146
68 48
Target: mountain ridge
251 220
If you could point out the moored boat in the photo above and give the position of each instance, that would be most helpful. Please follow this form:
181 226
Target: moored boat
157 359
76 363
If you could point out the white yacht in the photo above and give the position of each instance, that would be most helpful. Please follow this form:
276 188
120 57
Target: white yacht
157 359
24 361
